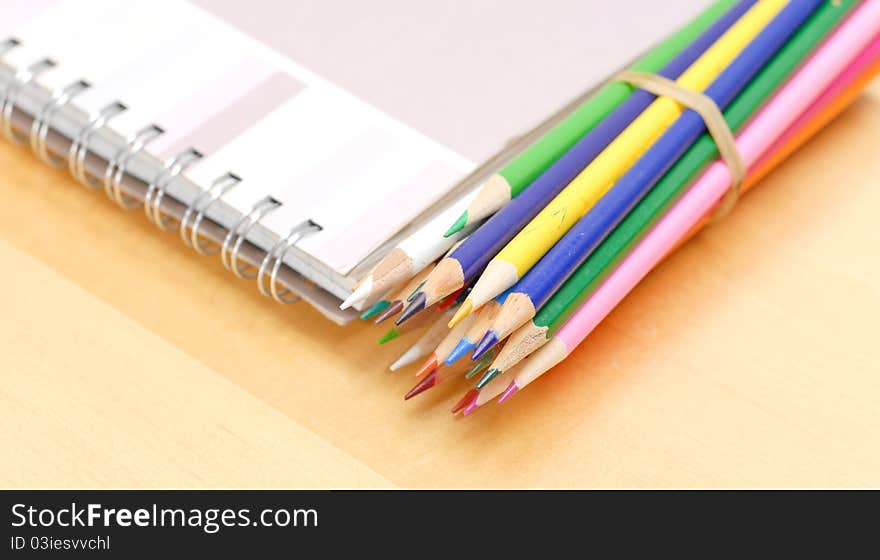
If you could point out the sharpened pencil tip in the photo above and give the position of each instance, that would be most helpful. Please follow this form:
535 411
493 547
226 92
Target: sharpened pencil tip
430 365
472 406
489 340
449 300
476 368
463 311
415 306
393 308
422 386
458 225
389 336
375 309
509 392
465 400
360 293
407 358
414 292
489 376
462 348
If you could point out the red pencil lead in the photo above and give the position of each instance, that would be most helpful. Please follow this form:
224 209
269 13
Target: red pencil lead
472 406
449 300
465 400
423 385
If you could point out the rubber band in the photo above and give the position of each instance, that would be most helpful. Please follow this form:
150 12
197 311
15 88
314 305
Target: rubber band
704 106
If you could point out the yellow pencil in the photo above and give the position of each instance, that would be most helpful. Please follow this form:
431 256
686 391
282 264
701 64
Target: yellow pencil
535 239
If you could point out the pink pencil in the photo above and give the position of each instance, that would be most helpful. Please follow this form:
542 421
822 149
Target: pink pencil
845 56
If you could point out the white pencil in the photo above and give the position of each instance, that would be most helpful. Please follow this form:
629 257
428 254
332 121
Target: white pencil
426 343
411 255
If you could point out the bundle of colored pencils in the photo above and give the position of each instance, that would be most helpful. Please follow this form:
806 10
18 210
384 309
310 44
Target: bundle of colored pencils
552 242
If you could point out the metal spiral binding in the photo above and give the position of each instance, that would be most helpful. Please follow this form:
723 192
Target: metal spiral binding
116 167
8 44
190 224
275 256
21 79
79 146
42 121
189 233
156 190
236 236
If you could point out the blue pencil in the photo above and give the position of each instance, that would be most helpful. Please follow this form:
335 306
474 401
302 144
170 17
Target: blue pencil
471 338
467 261
536 287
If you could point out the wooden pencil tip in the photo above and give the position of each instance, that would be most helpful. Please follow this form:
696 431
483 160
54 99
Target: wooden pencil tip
449 300
489 376
361 293
498 276
422 386
489 340
463 311
462 348
375 309
430 365
389 336
458 225
472 406
509 392
392 309
478 366
407 358
490 197
414 292
415 306
465 400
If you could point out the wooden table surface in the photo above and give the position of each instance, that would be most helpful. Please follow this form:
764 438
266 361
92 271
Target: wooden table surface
750 358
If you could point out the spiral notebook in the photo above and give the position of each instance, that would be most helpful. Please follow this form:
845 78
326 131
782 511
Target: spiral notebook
198 115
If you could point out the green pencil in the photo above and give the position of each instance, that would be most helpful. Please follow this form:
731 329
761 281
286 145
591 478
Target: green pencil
641 219
514 177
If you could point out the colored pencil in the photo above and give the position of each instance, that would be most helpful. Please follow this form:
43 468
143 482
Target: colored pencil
810 123
437 376
482 363
484 320
397 331
375 309
443 372
536 287
439 355
523 169
452 299
551 223
418 250
466 262
426 343
852 51
464 401
489 392
553 314
387 307
490 374
395 302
